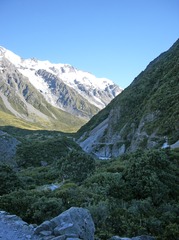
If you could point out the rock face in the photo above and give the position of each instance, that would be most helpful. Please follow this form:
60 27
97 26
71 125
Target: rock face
75 223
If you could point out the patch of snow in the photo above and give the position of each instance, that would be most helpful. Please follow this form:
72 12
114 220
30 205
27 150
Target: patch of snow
38 83
12 57
71 76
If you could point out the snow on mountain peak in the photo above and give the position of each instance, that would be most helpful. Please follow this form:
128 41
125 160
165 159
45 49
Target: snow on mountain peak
98 91
12 57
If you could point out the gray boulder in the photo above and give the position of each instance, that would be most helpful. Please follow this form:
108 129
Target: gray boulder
74 223
45 226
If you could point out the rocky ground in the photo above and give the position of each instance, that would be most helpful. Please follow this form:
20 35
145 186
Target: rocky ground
13 227
73 224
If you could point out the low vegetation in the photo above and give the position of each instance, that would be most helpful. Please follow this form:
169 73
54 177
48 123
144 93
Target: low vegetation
131 195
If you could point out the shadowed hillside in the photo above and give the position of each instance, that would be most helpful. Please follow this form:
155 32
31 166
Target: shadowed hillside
144 115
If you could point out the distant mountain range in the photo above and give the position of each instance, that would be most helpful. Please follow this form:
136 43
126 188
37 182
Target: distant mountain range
40 95
50 96
145 115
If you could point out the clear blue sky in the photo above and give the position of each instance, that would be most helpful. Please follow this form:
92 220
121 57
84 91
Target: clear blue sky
115 39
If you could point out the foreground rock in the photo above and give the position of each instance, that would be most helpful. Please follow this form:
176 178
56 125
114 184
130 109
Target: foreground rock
14 228
75 223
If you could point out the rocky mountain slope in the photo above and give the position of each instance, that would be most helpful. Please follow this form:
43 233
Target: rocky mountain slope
144 115
22 105
39 91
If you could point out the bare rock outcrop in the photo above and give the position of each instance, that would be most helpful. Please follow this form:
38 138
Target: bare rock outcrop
75 223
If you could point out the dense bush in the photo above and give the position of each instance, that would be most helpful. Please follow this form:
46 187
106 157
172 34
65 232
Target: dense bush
9 180
33 206
77 166
151 174
47 150
133 195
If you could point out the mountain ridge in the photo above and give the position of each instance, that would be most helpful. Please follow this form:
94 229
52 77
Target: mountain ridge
144 115
38 91
79 80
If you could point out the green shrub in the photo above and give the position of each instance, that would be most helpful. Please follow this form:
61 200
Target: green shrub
9 180
77 166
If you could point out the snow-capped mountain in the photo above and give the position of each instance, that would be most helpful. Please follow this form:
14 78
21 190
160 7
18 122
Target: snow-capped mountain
64 86
50 96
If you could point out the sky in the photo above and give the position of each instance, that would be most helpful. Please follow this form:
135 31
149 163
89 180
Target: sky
115 39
